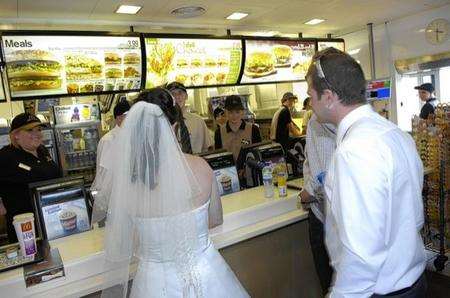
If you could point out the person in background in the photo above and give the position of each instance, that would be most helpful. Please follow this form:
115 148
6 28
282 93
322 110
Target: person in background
104 151
307 114
426 92
320 146
373 186
282 125
24 161
219 116
236 132
199 137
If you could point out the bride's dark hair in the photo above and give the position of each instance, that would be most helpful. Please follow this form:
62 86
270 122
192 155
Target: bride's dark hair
162 98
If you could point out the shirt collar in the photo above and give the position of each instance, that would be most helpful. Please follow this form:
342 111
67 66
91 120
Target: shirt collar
350 119
241 127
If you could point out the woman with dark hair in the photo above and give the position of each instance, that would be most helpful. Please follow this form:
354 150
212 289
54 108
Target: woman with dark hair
160 204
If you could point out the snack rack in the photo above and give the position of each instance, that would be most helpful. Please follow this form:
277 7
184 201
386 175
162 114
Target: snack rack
432 138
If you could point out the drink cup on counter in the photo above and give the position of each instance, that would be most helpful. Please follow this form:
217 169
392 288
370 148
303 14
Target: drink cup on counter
24 226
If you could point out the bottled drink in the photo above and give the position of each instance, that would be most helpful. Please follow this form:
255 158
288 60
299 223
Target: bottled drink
268 181
282 180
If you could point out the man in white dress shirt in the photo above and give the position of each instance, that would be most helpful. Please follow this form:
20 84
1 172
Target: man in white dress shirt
320 146
373 186
105 146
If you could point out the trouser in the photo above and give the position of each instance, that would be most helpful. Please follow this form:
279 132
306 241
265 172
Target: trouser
417 290
319 252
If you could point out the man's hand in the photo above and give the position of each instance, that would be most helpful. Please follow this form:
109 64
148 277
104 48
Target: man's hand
306 199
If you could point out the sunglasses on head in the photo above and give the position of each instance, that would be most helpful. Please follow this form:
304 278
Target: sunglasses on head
321 73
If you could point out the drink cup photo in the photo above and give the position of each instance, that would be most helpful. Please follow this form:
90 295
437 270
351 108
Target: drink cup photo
68 219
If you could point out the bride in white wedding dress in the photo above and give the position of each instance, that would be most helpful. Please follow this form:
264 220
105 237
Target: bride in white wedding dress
160 202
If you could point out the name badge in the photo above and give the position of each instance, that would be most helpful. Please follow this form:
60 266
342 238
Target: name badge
24 166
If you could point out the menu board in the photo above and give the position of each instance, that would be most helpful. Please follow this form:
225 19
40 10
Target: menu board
193 62
322 45
276 60
59 65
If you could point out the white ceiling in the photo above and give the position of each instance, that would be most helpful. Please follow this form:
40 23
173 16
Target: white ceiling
284 16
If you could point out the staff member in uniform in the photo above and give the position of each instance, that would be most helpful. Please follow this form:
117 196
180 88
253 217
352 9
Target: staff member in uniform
236 132
23 161
200 140
282 125
426 94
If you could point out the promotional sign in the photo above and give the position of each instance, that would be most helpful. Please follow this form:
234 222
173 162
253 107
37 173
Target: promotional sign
322 45
76 113
193 62
379 89
61 65
276 60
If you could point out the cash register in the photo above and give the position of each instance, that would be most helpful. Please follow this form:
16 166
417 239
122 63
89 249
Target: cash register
224 169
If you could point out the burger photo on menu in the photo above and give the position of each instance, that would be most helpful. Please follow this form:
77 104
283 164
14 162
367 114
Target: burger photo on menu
72 88
283 55
222 62
196 62
182 78
112 58
181 63
209 79
33 70
79 67
259 64
221 78
113 73
131 58
210 62
131 72
87 87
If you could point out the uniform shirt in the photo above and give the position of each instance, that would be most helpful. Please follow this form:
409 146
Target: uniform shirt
428 108
279 130
198 132
18 169
374 207
320 146
254 137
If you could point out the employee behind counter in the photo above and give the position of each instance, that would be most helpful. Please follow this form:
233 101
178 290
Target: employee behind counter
23 161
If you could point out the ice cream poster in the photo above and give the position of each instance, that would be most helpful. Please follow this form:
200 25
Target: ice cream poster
228 180
66 218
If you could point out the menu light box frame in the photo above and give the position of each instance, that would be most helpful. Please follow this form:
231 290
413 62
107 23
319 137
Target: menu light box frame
193 38
138 46
331 41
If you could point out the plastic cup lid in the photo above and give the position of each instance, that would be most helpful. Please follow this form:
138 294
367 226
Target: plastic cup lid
23 217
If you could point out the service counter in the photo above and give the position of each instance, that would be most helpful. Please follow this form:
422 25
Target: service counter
265 241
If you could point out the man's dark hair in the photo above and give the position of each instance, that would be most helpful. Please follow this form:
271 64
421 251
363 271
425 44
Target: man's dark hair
340 73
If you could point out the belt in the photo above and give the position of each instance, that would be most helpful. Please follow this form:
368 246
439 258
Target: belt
402 291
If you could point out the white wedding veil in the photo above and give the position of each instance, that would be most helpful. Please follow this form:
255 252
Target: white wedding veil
151 180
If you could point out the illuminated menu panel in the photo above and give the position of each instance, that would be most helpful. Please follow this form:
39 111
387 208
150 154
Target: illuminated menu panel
193 62
60 65
276 60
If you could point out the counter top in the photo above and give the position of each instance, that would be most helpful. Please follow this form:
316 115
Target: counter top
247 214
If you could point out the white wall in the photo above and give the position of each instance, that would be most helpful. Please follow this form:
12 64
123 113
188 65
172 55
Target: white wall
398 39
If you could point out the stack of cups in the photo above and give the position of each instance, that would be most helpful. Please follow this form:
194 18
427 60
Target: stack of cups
24 225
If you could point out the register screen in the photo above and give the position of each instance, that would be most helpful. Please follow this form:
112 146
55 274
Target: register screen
64 213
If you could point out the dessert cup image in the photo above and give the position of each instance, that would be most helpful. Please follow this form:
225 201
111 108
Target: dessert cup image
68 219
225 180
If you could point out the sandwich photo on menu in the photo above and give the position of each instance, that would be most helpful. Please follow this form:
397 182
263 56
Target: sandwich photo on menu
112 58
33 70
79 67
283 55
131 58
259 64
